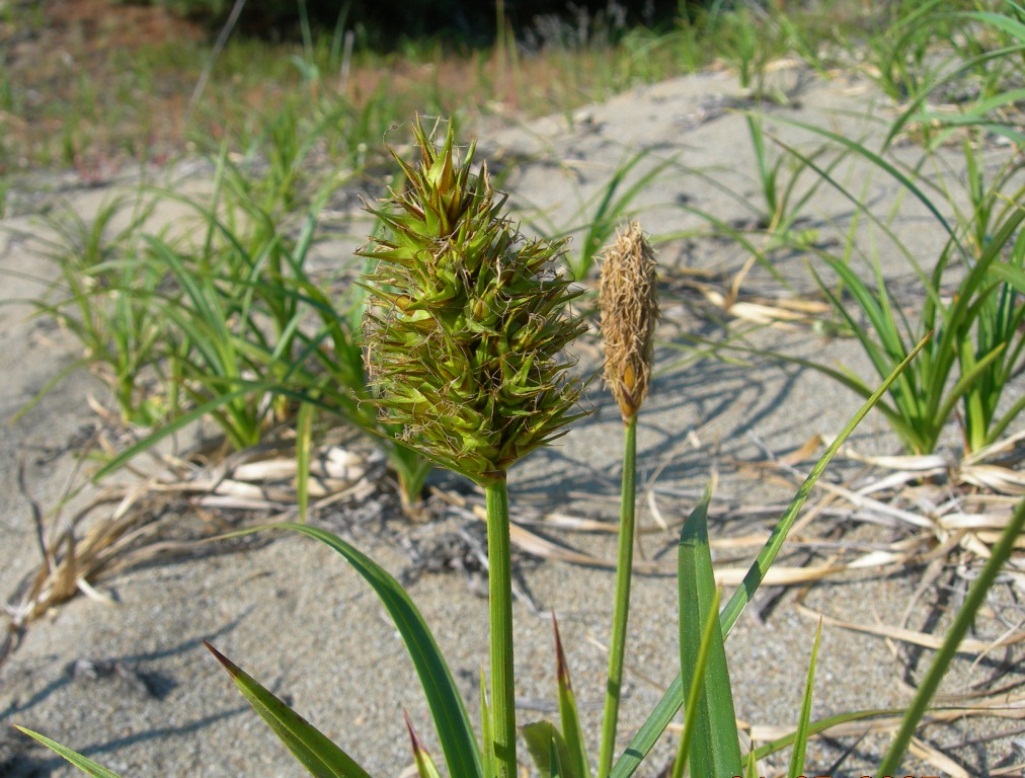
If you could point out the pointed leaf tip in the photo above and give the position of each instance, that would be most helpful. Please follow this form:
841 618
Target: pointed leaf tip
562 671
84 764
574 765
228 665
317 753
424 763
414 739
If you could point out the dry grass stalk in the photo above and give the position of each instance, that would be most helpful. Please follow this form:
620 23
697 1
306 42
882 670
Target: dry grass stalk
629 314
127 525
1006 707
561 551
911 636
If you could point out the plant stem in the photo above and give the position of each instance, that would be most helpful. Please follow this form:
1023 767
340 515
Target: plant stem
621 609
503 689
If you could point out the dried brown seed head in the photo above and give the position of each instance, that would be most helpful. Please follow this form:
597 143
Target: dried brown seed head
629 313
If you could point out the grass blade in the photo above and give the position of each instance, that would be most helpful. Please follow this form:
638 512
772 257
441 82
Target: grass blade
553 757
801 736
772 547
1015 276
965 66
569 718
708 636
179 423
424 764
715 749
883 165
453 725
87 766
74 367
309 745
611 210
548 749
822 725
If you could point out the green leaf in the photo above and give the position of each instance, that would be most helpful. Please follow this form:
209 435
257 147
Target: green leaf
882 164
801 739
715 750
549 750
553 758
1014 276
822 725
75 366
87 766
1003 22
612 210
710 634
753 579
180 422
750 765
311 747
569 718
454 731
976 112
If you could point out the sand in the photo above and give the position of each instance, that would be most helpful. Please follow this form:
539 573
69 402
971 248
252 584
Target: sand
131 685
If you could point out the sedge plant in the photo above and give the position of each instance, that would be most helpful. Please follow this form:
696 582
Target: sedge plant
222 326
464 343
234 311
102 299
629 313
781 181
977 346
988 65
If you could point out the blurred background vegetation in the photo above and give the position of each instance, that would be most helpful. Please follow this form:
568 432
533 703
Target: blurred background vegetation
88 85
460 22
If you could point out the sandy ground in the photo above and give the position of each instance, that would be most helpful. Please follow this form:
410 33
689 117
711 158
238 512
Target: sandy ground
297 618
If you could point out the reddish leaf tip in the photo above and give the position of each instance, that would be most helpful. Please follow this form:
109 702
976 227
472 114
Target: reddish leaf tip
414 739
562 671
228 665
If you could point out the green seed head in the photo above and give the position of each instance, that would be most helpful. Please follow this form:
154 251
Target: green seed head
629 313
468 321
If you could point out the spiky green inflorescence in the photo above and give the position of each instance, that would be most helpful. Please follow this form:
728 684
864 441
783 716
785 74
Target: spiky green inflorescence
469 321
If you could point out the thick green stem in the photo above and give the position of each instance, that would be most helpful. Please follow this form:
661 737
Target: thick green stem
621 609
503 689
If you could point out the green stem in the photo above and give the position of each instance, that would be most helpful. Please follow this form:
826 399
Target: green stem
621 609
503 689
